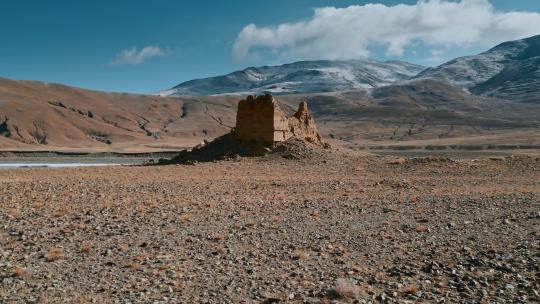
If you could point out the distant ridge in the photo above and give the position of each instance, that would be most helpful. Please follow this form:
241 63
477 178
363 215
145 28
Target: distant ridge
301 77
509 71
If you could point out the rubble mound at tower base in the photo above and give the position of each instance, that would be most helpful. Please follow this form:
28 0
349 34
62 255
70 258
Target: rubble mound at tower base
229 147
262 128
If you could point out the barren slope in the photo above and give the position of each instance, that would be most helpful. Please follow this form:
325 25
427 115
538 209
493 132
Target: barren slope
39 116
36 115
420 113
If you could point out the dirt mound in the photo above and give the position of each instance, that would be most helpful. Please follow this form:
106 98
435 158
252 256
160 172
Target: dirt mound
295 148
229 147
223 147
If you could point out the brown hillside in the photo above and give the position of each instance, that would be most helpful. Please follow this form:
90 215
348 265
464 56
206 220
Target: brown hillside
36 115
41 116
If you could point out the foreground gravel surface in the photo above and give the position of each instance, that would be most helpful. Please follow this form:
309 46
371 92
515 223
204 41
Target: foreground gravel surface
334 229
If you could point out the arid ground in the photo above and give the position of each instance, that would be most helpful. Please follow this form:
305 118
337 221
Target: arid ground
330 228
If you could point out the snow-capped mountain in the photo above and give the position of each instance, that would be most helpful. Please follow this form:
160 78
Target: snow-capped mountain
509 71
301 77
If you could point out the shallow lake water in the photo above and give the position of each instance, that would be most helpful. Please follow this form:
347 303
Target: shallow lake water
53 165
23 161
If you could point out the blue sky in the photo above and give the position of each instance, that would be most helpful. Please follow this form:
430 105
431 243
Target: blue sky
80 43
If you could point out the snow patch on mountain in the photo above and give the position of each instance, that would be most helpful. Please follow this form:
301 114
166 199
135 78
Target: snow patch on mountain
301 77
509 71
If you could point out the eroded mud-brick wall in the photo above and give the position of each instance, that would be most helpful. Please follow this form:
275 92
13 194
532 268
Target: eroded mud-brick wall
261 119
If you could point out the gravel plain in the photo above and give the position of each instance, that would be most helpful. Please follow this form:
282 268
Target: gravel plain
339 228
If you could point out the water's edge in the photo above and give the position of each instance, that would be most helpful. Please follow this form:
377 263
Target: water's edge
57 165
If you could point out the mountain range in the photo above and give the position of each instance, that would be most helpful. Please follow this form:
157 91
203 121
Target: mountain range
490 98
509 71
301 77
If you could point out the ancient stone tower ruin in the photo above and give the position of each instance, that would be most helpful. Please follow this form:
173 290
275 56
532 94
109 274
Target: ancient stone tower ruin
261 119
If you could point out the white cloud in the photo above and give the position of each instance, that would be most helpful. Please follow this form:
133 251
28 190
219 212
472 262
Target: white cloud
347 33
134 56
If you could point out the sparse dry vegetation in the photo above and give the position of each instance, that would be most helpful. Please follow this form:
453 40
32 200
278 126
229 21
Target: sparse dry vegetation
185 217
15 214
410 289
87 247
344 288
54 254
20 272
300 254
